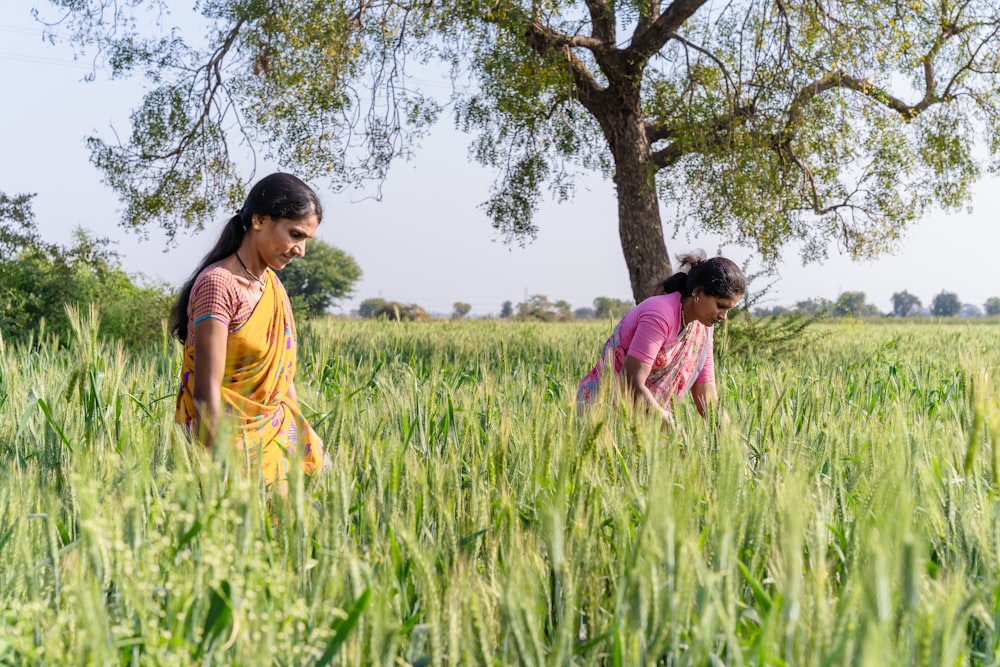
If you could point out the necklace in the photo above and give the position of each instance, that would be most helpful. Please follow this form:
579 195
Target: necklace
260 279
683 321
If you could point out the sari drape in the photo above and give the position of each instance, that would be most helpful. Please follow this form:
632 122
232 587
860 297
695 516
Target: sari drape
674 371
260 366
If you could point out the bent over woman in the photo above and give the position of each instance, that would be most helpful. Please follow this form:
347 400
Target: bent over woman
235 321
662 347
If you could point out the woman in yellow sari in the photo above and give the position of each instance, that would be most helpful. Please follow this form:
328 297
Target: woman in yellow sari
235 321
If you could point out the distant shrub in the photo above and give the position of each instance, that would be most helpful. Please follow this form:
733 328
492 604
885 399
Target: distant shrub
411 312
39 281
539 308
775 333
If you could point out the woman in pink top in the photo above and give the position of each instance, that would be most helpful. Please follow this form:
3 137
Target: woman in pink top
663 346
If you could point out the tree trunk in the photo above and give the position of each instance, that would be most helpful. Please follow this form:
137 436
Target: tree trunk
639 224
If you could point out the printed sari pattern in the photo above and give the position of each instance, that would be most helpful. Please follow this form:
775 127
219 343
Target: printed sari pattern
674 370
260 366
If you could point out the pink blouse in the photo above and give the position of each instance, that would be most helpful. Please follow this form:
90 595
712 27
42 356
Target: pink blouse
647 327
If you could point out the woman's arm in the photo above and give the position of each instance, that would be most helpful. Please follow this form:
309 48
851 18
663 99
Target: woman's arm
635 373
293 397
704 395
210 337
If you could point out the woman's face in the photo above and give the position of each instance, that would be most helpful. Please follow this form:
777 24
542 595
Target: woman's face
280 240
710 310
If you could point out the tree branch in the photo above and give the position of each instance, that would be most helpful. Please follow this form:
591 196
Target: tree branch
659 132
669 156
646 19
544 41
843 80
730 84
717 131
648 40
970 65
212 73
602 16
814 203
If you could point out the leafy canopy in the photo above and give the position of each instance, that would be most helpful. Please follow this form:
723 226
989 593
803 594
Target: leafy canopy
18 228
767 121
946 304
905 304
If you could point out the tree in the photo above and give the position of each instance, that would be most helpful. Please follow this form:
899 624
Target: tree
770 122
461 310
992 306
314 282
538 307
606 308
584 313
970 310
812 306
507 309
770 311
905 304
378 308
369 307
853 304
946 304
18 229
392 310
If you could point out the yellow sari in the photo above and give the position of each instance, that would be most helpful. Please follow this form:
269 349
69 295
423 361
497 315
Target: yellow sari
260 366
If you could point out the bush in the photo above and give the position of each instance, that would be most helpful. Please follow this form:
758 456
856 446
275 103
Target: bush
409 312
746 336
40 281
539 308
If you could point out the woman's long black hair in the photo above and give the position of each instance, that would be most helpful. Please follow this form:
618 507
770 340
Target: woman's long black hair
717 276
278 196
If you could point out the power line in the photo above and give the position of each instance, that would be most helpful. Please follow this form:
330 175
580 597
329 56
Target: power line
39 60
20 31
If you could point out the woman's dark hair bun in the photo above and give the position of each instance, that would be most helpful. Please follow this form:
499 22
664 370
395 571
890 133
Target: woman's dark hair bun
689 260
717 276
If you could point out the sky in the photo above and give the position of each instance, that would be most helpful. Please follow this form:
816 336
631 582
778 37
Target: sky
426 241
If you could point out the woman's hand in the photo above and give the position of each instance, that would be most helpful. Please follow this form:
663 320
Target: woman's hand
705 397
635 373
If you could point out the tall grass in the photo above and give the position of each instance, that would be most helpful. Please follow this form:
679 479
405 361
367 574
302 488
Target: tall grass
845 513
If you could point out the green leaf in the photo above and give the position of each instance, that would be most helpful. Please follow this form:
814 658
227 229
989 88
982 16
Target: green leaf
54 424
343 627
763 599
220 615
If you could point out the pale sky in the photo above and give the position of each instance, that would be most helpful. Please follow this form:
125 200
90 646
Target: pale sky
426 241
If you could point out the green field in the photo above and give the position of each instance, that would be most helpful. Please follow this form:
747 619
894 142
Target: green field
847 514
